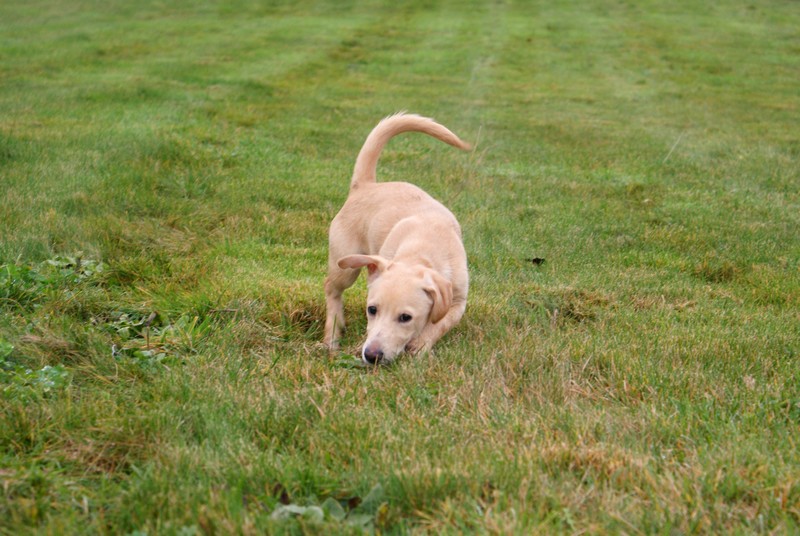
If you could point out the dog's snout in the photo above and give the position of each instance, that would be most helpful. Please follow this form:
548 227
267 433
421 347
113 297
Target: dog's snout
372 356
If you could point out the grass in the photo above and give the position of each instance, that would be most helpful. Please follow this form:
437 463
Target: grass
168 175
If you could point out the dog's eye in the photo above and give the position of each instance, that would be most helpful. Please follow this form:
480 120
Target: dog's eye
404 318
372 310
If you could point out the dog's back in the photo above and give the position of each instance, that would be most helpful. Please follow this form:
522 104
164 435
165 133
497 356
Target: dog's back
372 209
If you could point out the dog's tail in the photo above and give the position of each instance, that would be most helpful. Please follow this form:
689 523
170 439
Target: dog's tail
393 125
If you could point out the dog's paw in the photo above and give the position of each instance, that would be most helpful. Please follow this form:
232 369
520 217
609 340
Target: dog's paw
331 346
322 346
419 346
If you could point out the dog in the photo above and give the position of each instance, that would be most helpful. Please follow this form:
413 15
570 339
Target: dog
411 246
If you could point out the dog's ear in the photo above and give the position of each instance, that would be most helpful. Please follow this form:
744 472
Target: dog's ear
375 264
441 292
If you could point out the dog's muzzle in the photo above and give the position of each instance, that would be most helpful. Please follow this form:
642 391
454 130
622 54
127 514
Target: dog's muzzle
371 355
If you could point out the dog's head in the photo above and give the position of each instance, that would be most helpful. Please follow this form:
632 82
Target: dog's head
402 299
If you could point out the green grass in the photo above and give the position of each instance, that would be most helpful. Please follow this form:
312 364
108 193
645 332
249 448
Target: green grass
168 173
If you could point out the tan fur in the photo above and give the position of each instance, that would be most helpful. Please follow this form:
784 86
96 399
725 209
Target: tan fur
411 245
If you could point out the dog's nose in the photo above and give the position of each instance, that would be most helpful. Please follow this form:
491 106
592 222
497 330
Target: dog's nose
372 356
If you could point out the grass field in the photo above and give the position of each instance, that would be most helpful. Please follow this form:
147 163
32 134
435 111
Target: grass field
168 171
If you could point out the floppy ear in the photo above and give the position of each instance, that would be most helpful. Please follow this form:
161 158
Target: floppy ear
375 264
441 292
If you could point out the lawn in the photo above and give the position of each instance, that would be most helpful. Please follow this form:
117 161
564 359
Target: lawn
629 361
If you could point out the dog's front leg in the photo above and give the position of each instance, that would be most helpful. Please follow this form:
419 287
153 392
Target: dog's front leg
433 332
335 284
334 320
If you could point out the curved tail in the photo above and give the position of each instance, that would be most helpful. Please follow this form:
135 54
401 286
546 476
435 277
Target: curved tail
393 125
